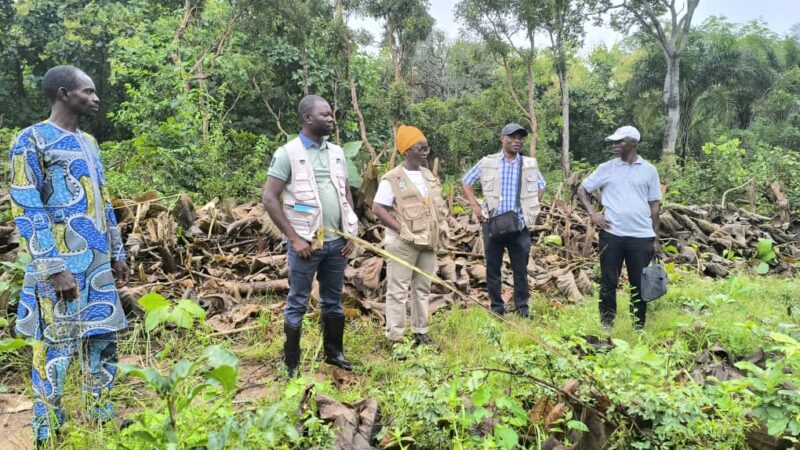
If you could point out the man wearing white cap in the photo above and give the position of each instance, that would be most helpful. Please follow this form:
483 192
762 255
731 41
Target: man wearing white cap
631 196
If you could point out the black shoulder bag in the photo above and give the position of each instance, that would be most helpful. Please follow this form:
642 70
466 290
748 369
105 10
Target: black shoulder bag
506 224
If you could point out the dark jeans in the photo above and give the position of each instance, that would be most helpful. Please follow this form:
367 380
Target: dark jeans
636 253
328 264
519 251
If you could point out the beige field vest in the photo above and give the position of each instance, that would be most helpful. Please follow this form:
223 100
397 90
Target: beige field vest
303 189
491 185
419 218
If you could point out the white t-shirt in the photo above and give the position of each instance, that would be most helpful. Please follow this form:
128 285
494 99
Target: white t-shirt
385 195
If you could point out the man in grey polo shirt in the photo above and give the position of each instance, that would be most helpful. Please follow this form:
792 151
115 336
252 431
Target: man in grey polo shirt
631 196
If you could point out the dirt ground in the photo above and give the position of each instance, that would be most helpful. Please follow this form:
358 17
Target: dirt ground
16 412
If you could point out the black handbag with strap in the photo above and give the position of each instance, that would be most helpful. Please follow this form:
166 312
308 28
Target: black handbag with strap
508 223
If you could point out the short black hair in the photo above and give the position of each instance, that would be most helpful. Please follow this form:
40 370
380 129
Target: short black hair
58 77
307 104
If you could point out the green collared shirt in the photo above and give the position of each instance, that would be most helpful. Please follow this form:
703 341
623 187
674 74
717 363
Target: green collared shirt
281 168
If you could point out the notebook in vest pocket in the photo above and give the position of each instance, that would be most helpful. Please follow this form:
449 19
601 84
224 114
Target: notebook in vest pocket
303 208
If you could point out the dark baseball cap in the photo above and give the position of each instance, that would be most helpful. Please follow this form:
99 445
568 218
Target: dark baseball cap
512 128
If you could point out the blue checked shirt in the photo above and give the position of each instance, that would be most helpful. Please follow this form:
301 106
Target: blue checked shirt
509 182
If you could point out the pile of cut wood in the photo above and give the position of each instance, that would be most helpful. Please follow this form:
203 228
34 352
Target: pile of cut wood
716 240
230 257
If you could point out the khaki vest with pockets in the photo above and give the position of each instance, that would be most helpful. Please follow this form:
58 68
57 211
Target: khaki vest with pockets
491 185
303 189
419 219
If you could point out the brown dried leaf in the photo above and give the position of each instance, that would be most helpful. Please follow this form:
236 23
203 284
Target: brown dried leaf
566 284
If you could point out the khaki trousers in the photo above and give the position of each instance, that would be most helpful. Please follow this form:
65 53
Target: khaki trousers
403 283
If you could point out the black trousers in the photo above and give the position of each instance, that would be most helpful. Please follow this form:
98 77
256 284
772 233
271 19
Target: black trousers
519 251
636 253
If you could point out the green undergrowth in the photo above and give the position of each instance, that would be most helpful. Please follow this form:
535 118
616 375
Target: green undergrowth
487 384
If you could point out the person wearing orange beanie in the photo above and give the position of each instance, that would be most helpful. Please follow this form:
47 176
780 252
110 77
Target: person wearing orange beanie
409 204
407 136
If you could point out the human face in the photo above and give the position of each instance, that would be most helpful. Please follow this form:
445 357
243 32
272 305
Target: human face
417 155
82 100
512 143
623 148
320 119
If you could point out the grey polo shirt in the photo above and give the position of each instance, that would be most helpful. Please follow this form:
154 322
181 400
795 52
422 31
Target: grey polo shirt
627 190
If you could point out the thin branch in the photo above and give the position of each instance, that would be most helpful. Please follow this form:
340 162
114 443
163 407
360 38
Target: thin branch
233 105
569 397
269 107
510 80
692 5
725 194
652 19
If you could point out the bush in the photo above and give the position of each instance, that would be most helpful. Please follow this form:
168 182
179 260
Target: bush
727 164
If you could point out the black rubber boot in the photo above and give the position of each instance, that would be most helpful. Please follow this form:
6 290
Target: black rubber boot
421 339
333 334
291 349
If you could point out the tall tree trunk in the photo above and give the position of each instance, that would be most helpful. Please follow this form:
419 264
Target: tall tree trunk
672 97
394 48
531 98
361 123
304 61
532 108
685 134
562 76
351 82
334 86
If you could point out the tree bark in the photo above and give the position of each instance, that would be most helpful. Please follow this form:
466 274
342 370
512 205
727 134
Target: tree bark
565 119
672 93
352 84
361 123
531 98
783 201
334 86
305 70
394 48
672 40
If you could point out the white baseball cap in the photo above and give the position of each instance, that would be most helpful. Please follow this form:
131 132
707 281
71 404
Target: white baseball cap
625 132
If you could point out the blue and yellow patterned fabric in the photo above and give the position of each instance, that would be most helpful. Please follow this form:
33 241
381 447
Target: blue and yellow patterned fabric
66 222
51 362
65 219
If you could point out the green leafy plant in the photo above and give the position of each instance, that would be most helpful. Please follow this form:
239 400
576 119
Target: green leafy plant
765 249
351 150
554 239
159 311
216 370
774 388
11 276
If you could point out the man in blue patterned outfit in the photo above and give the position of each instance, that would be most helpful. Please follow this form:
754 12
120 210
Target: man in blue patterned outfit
63 212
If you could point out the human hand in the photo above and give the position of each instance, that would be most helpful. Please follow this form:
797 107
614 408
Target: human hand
349 246
65 285
601 222
301 247
656 248
122 272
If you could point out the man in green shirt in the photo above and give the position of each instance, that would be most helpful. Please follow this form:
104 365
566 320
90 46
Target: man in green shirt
307 196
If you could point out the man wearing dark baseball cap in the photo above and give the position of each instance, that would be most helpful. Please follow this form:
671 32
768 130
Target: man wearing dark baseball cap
631 195
512 188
